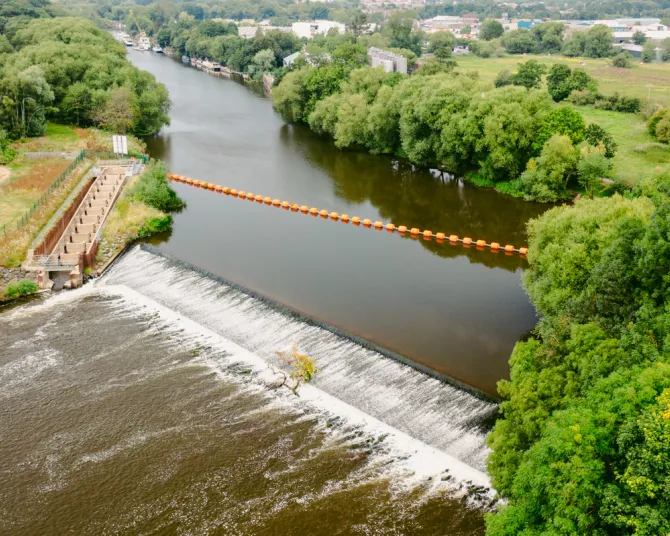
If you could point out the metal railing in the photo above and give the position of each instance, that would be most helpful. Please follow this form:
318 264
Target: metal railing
23 220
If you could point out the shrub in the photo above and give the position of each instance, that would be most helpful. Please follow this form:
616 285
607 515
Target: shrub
654 120
20 288
663 129
154 226
617 103
596 135
622 60
503 78
154 189
565 121
546 178
584 98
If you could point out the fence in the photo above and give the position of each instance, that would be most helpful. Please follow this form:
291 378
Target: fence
45 196
113 159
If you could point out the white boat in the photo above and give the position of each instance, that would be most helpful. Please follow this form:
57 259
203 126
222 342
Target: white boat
157 49
144 44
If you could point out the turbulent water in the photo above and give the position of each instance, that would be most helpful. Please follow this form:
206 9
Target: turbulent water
144 404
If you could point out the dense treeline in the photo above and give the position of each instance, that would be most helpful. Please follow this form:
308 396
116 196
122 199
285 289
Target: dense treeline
70 71
584 443
511 135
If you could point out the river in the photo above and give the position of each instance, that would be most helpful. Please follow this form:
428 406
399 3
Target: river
455 310
145 402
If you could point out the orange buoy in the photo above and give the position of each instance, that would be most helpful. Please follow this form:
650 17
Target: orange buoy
242 194
390 227
304 209
219 188
196 183
250 196
323 213
267 200
439 237
428 234
402 229
467 240
259 198
334 216
276 202
453 238
234 192
523 251
212 186
203 184
414 231
226 190
481 243
495 246
345 218
285 204
356 220
189 180
509 248
314 211
295 208
367 222
378 225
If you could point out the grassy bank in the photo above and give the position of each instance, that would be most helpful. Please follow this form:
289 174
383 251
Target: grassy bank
17 289
141 211
638 154
26 179
631 82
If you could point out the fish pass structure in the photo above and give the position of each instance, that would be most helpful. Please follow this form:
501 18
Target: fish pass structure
390 61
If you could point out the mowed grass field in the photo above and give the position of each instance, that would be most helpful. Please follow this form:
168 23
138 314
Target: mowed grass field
638 155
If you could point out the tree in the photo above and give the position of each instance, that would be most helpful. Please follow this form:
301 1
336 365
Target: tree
593 165
663 129
546 178
596 136
301 369
566 121
665 49
399 29
598 44
465 30
529 74
519 41
549 37
639 38
558 82
623 60
358 23
490 29
116 114
503 78
264 60
441 44
25 99
648 52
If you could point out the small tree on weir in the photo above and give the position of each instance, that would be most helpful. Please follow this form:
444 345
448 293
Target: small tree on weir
301 369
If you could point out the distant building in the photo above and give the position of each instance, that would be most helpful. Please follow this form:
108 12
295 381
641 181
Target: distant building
247 32
527 24
316 27
390 61
633 50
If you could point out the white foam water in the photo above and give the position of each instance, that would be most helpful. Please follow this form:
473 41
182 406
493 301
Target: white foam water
436 423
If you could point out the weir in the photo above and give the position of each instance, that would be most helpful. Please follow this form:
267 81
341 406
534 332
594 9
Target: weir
436 413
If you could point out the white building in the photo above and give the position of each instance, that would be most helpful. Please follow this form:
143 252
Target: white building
315 27
388 60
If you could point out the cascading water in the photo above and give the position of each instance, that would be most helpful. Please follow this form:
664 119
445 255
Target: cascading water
425 408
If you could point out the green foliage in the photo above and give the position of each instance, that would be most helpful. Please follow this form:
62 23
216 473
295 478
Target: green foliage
565 121
20 288
302 368
648 52
596 42
595 135
665 49
546 179
503 78
490 29
529 74
398 28
655 119
441 44
619 103
549 37
153 189
623 60
593 166
519 41
487 49
7 153
639 38
663 129
562 81
154 226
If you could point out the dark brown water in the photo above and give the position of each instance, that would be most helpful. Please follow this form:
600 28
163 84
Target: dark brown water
455 310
